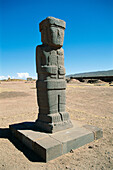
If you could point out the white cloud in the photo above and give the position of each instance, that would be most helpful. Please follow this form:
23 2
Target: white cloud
6 77
9 76
19 76
34 77
23 75
3 77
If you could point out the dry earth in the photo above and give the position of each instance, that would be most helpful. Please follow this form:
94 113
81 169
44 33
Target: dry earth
88 104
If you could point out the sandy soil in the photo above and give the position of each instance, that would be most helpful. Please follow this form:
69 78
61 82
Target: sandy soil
88 104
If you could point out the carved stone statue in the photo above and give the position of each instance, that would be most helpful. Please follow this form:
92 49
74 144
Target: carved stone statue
51 84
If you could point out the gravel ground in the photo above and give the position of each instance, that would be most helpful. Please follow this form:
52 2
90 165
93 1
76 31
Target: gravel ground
86 103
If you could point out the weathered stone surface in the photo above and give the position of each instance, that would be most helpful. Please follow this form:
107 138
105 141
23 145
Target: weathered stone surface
98 133
52 31
49 146
51 84
73 138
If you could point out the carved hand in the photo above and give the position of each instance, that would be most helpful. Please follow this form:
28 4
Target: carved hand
49 69
61 70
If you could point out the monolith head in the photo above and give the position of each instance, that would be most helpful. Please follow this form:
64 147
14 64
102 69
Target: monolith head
52 31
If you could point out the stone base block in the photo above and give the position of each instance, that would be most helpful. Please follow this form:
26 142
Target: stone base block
53 127
49 146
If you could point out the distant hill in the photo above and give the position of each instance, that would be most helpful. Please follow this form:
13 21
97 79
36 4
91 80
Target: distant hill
93 74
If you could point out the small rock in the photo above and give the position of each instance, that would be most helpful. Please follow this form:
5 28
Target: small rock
90 147
71 151
102 168
109 159
67 167
78 159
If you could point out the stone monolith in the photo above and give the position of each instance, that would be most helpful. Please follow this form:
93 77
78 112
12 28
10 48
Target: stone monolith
51 84
39 135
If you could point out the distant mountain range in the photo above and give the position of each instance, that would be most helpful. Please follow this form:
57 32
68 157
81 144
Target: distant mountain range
92 74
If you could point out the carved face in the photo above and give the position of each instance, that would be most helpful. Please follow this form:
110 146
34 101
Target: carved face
53 36
56 36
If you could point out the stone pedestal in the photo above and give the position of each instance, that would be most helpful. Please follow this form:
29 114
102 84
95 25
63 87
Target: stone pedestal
48 146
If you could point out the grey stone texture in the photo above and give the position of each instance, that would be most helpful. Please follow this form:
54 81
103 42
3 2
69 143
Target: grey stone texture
49 146
51 84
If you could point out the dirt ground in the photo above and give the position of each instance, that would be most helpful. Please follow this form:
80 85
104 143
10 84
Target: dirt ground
86 103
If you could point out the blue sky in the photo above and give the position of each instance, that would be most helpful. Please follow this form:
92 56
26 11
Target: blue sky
88 41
